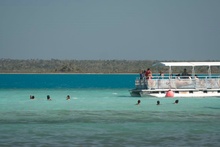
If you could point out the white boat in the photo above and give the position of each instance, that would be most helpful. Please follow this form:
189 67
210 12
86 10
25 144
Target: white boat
179 86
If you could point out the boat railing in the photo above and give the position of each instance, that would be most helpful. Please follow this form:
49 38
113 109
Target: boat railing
175 82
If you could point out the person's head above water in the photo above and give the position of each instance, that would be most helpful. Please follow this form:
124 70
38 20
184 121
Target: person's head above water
158 102
176 102
138 102
48 97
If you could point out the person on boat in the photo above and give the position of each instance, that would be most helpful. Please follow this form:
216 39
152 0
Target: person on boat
161 75
176 102
185 74
141 75
148 74
48 97
68 97
138 102
158 102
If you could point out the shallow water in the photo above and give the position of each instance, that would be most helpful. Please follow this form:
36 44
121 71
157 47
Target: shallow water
104 117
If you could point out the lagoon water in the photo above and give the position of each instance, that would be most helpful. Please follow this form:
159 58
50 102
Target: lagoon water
100 113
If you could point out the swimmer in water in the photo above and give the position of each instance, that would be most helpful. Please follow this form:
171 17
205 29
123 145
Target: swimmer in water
138 102
158 102
176 102
48 97
31 97
68 97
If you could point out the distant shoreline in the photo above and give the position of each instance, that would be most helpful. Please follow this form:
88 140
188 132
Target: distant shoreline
13 66
154 74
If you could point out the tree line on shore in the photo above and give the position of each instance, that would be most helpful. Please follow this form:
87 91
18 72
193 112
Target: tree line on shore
88 66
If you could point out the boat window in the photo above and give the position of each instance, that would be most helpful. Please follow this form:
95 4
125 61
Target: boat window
162 91
176 91
205 91
190 91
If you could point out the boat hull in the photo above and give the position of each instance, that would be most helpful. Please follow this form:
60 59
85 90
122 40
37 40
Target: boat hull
177 92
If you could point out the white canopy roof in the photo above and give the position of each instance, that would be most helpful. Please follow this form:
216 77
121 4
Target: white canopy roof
189 63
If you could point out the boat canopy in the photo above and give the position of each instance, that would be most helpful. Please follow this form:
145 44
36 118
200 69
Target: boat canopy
192 64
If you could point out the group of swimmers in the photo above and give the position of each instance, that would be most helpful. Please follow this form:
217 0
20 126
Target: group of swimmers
158 102
48 97
68 98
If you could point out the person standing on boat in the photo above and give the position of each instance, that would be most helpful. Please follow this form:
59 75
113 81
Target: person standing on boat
185 74
141 74
148 74
161 75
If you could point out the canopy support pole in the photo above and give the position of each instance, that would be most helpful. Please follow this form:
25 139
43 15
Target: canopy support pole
193 72
170 76
209 72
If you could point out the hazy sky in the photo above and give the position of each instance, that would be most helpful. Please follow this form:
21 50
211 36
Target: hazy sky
110 29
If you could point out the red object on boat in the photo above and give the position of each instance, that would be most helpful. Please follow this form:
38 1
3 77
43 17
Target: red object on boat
169 93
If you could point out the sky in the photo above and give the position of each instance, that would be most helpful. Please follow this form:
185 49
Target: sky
110 29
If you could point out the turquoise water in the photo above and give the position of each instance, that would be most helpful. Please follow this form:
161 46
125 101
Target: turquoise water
101 116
